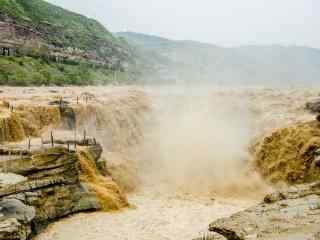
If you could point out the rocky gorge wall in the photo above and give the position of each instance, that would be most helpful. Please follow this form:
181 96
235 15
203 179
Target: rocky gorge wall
40 188
15 38
22 39
43 183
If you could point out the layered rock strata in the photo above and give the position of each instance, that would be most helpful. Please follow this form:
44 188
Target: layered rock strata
39 188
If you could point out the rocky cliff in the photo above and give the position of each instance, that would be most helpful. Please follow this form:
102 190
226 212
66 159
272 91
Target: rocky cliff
45 180
39 188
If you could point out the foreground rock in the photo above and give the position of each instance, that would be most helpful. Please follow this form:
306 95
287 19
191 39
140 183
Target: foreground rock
290 214
39 188
15 219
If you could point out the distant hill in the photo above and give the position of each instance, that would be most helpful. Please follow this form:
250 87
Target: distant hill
65 47
188 61
43 44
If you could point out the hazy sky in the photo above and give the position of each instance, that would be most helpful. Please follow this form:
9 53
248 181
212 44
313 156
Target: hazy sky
222 22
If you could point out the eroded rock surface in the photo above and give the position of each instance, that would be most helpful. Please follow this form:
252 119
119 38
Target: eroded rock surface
290 214
15 219
38 189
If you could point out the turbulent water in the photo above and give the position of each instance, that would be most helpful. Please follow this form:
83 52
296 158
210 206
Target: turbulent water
156 217
183 155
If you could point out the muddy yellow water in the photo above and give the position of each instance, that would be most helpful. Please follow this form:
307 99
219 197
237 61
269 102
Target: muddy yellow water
156 216
191 160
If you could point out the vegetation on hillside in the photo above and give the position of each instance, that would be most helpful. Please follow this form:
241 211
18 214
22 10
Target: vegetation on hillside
195 62
11 8
28 71
62 28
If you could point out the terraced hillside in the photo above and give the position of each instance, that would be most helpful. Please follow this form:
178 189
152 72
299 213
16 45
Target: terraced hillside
44 44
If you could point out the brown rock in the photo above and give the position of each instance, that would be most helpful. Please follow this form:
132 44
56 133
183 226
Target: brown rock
11 229
49 183
15 220
295 215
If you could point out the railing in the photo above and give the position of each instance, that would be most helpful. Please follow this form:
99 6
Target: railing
85 141
12 152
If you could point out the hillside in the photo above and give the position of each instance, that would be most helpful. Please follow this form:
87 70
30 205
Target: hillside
49 44
194 62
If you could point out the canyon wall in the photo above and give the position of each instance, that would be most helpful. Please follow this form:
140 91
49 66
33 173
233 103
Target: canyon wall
49 180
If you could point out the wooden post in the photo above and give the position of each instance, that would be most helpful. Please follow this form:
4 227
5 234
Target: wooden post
68 144
77 99
41 142
60 103
75 137
52 141
75 133
29 143
84 136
